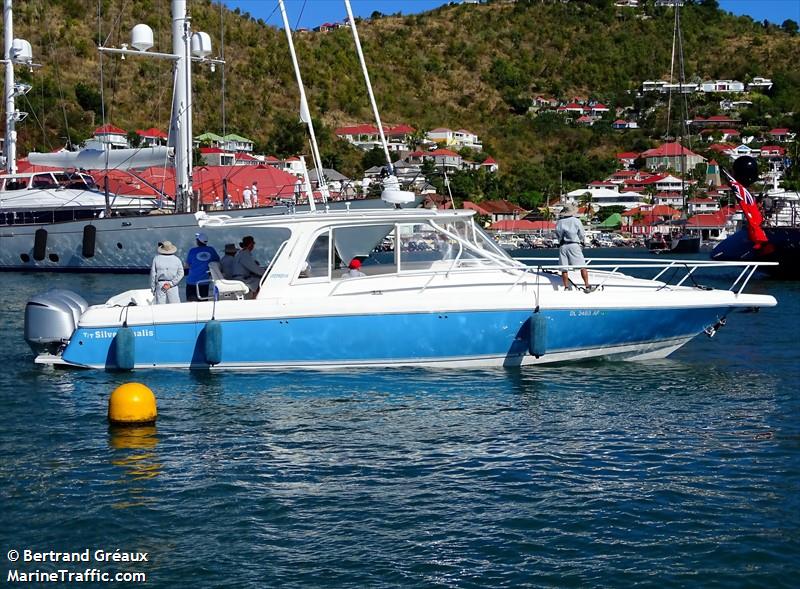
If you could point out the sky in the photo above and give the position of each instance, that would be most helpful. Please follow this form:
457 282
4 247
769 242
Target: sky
316 12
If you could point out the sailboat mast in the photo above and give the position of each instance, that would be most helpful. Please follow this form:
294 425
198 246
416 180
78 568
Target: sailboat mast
369 86
11 114
305 114
683 111
181 130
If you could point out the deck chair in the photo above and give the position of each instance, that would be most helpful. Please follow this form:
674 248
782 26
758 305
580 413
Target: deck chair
227 289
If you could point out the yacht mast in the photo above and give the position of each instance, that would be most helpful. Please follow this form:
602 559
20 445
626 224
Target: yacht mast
186 47
15 51
181 125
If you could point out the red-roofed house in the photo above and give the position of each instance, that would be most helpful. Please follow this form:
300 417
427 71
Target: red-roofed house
111 135
152 137
644 221
773 151
446 158
726 148
724 134
245 159
627 158
585 120
572 107
497 210
367 136
362 136
710 225
216 156
697 206
720 121
671 155
490 164
781 134
599 109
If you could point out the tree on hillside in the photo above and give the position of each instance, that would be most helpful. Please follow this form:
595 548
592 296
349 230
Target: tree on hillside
288 136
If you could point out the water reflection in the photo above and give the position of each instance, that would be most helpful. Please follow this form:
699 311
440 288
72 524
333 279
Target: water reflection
134 453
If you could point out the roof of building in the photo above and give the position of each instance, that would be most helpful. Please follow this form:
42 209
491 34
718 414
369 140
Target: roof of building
669 150
152 132
235 137
109 129
494 207
443 152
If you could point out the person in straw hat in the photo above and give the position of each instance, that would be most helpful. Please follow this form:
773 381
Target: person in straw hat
569 231
166 273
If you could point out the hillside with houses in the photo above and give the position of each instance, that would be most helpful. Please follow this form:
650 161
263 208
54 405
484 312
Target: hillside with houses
478 104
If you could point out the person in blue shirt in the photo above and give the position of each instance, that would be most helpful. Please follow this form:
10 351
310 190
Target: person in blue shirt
199 258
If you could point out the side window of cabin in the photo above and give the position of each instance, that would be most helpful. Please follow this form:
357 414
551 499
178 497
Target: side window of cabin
372 246
43 181
317 264
15 184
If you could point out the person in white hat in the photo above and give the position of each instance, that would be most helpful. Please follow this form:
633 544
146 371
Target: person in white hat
166 272
569 232
198 260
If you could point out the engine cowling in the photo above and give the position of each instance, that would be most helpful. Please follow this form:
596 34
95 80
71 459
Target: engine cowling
51 318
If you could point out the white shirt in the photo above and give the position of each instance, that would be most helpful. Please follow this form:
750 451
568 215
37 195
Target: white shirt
246 196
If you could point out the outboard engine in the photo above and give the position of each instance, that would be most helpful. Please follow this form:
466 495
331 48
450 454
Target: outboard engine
50 319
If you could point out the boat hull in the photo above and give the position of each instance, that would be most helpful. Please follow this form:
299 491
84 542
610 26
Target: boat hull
443 338
783 247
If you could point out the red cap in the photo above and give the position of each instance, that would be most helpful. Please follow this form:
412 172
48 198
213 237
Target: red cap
355 264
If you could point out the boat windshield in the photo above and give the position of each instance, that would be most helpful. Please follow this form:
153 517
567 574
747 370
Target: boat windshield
400 247
75 181
44 181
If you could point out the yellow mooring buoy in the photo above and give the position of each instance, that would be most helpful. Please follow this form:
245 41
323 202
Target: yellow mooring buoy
132 404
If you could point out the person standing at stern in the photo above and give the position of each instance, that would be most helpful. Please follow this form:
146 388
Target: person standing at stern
569 231
198 260
166 272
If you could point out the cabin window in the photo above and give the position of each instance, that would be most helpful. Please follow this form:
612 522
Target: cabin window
44 181
318 261
16 184
373 246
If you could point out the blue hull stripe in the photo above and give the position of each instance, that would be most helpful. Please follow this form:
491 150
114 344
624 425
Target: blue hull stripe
390 338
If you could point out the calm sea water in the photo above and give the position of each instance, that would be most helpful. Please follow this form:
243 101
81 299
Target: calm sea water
682 472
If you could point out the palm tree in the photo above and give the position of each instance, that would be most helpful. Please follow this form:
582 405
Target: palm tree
416 139
585 200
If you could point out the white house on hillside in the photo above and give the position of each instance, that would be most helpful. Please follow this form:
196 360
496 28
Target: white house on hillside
455 139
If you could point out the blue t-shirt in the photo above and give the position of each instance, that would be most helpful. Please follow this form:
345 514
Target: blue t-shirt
198 260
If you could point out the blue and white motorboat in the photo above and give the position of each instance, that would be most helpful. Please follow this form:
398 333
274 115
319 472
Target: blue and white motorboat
463 301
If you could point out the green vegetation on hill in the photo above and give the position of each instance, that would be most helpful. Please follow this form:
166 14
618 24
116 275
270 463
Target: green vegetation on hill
460 66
